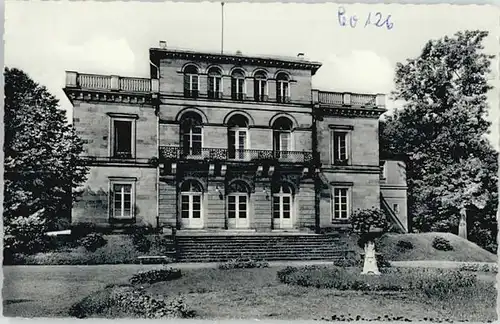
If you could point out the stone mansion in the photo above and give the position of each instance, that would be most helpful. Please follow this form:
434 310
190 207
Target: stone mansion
230 142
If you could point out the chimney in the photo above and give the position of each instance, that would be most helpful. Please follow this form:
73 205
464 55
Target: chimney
163 44
300 56
238 52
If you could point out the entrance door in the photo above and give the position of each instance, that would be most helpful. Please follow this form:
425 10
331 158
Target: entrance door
282 208
191 205
237 210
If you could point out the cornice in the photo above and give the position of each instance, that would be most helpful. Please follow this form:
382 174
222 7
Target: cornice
158 53
76 94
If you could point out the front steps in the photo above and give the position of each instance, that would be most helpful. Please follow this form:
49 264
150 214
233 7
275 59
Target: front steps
218 248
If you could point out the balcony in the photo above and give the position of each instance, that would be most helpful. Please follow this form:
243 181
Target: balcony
110 82
175 153
328 98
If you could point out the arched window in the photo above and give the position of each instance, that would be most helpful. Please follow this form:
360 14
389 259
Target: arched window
238 195
260 86
214 83
282 87
237 137
238 85
191 88
191 131
282 205
282 136
191 204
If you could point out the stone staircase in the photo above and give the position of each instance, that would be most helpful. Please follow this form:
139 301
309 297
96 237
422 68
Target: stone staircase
218 248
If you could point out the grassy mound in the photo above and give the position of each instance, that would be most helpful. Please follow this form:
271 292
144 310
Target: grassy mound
422 248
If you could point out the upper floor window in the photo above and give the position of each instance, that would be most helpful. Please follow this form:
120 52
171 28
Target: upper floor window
122 135
214 83
238 85
282 87
238 137
340 147
282 136
191 133
191 88
260 86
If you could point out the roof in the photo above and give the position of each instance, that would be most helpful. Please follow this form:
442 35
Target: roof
263 60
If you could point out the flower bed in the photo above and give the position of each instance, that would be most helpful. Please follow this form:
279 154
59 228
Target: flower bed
433 282
153 276
242 264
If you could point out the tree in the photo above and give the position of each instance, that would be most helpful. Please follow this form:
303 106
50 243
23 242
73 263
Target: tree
451 167
41 152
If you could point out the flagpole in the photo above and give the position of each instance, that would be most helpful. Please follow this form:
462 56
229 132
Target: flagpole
222 30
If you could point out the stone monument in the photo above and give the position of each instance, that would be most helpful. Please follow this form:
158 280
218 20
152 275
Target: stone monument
370 264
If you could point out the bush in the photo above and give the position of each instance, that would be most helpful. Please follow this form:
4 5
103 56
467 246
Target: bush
141 241
243 264
435 283
347 262
442 244
91 242
476 267
153 276
404 245
127 301
382 262
25 235
80 230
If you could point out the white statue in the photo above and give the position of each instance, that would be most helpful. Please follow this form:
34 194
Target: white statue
370 264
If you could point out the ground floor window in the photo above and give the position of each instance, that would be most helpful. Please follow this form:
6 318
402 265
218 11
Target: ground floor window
282 206
341 207
238 194
122 199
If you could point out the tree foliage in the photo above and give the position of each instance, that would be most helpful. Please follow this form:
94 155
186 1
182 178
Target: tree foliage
41 152
451 167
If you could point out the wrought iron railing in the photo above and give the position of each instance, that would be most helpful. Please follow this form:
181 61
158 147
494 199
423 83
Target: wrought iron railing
219 154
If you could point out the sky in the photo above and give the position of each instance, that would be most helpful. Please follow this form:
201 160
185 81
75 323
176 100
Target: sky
45 38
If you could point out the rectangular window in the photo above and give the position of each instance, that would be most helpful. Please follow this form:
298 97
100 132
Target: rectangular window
340 148
122 200
237 88
191 85
395 207
260 90
341 203
122 135
283 91
214 87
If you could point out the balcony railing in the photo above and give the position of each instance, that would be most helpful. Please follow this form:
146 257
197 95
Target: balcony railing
348 99
219 154
110 82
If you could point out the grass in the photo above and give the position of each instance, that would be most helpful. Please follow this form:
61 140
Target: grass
230 294
463 250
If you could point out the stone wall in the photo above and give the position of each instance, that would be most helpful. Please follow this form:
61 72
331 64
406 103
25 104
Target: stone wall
93 125
93 206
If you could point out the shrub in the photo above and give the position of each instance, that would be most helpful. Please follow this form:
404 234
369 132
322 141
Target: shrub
347 262
434 283
91 242
404 245
26 234
382 262
80 230
243 264
442 244
141 241
153 276
129 301
366 220
475 267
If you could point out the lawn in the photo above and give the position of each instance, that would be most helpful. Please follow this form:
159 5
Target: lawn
231 294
